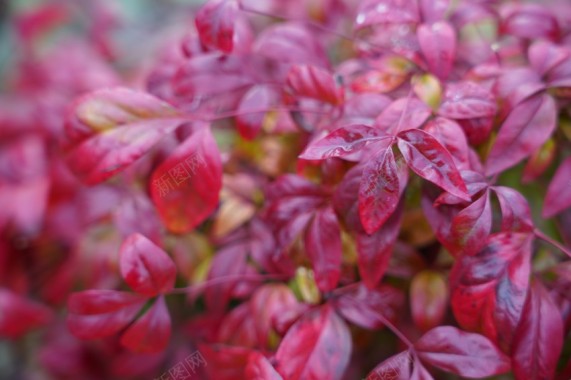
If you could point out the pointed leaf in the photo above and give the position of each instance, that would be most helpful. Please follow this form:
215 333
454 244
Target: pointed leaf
18 314
438 45
323 246
402 114
318 346
531 21
527 127
467 100
465 354
252 110
558 196
151 332
471 226
185 187
259 368
431 161
146 268
539 337
313 82
516 214
395 367
116 127
215 24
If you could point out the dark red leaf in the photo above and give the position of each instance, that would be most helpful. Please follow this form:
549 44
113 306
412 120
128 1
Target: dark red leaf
489 289
342 142
215 23
259 368
146 268
431 161
185 187
382 184
314 82
117 126
539 337
367 307
516 215
99 313
151 332
462 353
318 346
18 314
526 128
323 246
374 250
471 226
438 45
558 196
467 100
225 362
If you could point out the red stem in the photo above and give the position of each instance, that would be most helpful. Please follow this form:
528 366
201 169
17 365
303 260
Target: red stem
551 241
195 289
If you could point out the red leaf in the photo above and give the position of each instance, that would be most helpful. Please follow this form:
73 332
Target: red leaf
516 215
438 44
318 346
225 362
471 226
259 368
452 137
558 196
431 161
146 268
539 337
366 307
151 332
313 82
18 314
465 354
99 313
402 114
185 187
467 100
382 183
239 328
117 126
252 110
215 24
395 367
342 142
428 299
526 128
323 246
531 21
375 250
489 289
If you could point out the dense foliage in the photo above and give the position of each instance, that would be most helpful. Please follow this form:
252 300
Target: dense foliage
288 190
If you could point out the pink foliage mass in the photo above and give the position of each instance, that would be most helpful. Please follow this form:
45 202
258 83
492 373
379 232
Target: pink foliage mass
286 190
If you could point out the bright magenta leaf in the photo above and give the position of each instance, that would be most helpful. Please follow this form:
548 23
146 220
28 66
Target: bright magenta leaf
539 337
462 353
146 268
115 127
471 226
467 100
185 187
431 161
526 128
323 246
100 313
151 332
252 110
260 368
531 21
516 215
314 82
558 196
318 346
438 44
215 23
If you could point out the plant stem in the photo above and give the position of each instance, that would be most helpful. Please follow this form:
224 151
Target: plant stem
195 289
551 241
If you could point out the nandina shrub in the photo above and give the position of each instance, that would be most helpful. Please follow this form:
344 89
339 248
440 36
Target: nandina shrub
311 189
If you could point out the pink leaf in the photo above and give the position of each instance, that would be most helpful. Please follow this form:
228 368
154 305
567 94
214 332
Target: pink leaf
151 332
318 346
99 313
342 142
18 314
146 268
539 337
531 21
545 55
467 100
465 354
215 24
382 183
558 196
252 110
402 114
185 187
438 45
526 128
314 82
431 161
452 137
471 226
433 10
116 127
259 368
371 12
395 367
516 215
323 246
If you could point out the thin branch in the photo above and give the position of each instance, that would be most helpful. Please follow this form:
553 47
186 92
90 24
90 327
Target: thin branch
196 289
551 241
